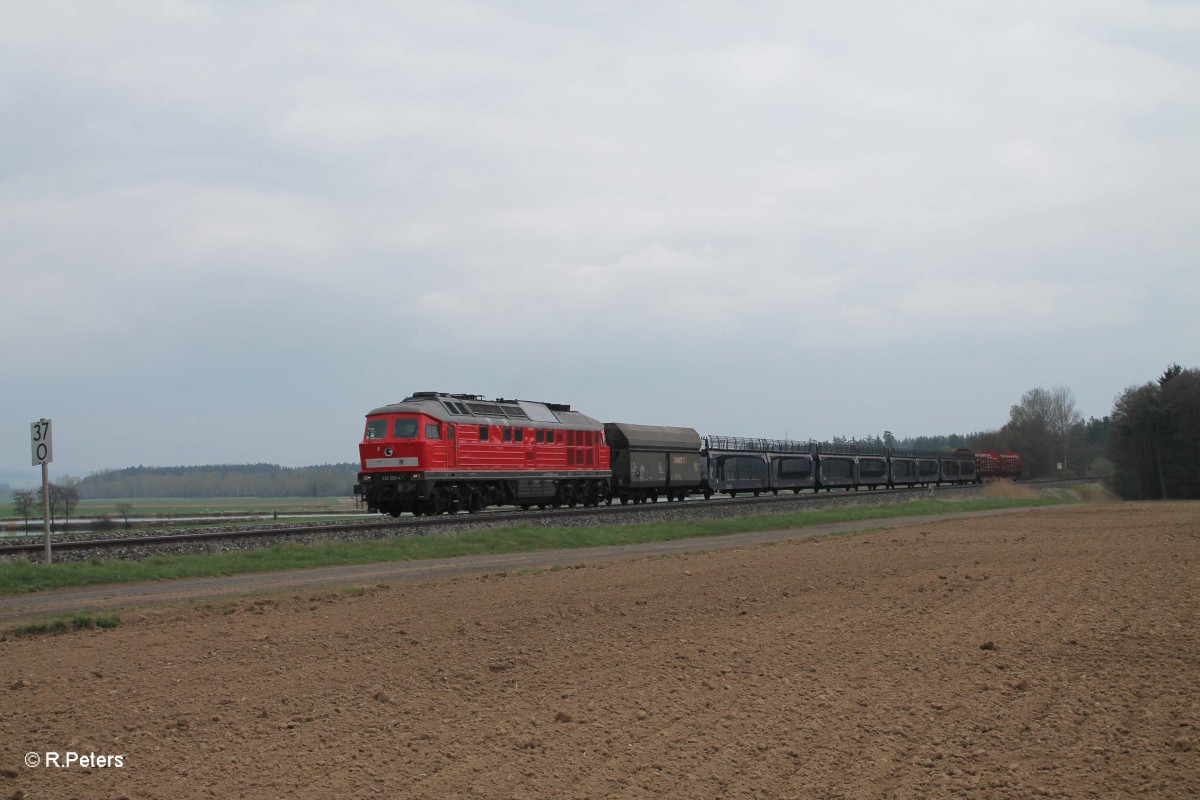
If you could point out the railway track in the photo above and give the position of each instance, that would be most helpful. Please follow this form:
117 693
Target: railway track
251 537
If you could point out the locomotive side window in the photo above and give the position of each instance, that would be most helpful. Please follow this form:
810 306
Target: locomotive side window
518 434
432 431
405 429
508 434
377 429
541 436
483 433
450 432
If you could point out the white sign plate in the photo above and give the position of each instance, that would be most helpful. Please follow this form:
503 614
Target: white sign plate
40 443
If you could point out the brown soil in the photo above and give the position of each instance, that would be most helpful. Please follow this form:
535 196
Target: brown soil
1049 653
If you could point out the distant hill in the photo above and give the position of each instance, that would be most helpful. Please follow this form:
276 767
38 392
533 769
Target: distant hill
28 478
221 480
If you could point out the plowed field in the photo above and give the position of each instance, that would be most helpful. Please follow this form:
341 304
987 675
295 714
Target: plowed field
1050 653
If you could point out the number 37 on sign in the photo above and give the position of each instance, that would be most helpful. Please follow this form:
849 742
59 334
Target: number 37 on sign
43 449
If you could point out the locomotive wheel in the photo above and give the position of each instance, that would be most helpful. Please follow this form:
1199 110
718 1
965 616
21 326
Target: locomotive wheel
732 495
525 506
474 503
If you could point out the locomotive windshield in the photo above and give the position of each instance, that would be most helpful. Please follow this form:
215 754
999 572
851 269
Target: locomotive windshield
405 429
377 429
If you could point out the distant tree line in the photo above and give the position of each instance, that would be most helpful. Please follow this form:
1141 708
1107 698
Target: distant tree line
1047 430
1147 448
224 480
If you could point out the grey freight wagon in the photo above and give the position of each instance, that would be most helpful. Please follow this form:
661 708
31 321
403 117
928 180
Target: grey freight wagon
652 461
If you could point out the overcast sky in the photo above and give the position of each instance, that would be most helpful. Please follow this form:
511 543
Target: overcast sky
229 230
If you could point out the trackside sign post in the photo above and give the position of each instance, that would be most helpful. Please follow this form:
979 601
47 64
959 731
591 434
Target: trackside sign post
42 446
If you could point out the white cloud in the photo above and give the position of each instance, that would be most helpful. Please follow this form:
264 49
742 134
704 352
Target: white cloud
215 184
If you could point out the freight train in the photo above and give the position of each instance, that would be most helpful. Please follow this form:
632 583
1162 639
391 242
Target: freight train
434 453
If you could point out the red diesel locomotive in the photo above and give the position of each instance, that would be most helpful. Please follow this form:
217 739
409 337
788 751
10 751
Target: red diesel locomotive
435 452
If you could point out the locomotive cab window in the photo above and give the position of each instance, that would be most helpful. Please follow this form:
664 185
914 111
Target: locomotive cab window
432 431
405 429
377 429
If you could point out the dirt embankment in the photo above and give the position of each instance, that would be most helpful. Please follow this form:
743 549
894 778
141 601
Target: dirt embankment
1051 653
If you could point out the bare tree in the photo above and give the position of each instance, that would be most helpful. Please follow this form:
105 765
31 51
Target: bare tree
1063 419
124 510
54 503
68 497
24 502
64 497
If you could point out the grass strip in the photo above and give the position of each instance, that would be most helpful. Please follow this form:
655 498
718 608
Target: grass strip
24 576
72 622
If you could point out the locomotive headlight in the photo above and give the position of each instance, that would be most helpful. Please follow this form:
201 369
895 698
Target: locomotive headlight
387 451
